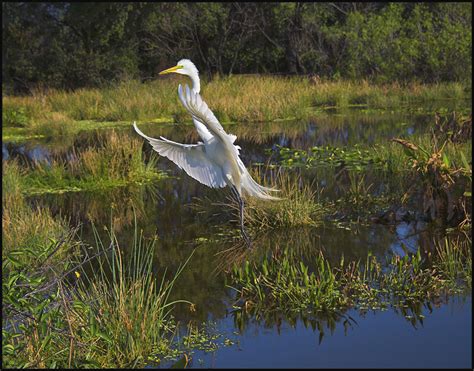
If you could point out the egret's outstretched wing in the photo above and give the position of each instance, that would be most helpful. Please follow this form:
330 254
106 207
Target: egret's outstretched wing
189 157
200 111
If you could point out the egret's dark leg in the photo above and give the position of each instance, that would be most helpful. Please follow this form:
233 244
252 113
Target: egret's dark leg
241 214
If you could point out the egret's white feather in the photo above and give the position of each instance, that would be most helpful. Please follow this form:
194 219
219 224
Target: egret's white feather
189 157
193 102
205 134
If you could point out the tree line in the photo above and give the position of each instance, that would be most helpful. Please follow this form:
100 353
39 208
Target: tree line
72 45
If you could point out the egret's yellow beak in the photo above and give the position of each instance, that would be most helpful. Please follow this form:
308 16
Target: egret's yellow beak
170 70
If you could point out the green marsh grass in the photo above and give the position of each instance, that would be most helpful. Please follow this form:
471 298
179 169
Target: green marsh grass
114 313
110 164
440 162
298 205
236 98
283 283
455 261
25 226
130 314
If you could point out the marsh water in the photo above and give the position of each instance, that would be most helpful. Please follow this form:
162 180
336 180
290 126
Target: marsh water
430 335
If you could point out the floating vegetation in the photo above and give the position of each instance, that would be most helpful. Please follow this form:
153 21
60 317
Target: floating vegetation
353 158
435 182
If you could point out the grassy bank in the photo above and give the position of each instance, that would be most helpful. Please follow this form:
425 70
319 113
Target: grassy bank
233 99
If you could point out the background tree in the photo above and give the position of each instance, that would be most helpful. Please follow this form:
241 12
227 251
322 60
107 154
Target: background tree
71 45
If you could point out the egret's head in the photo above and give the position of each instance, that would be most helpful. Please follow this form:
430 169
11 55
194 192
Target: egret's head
184 67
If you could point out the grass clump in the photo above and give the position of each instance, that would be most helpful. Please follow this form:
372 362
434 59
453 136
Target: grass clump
281 283
455 261
284 283
75 314
297 207
110 164
440 164
130 313
25 226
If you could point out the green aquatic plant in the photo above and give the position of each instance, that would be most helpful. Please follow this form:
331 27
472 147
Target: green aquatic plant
25 226
444 172
34 330
280 283
298 204
129 313
283 283
71 314
352 158
455 261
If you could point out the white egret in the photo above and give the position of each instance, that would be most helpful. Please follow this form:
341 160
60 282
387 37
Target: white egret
215 161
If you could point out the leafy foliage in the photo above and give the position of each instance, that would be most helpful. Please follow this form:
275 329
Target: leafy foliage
71 45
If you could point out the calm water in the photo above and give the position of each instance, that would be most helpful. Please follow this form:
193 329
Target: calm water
443 338
384 339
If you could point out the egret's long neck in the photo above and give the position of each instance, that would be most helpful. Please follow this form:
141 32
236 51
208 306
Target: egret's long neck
196 83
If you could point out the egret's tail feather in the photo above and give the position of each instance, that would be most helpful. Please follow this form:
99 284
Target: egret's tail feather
254 189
